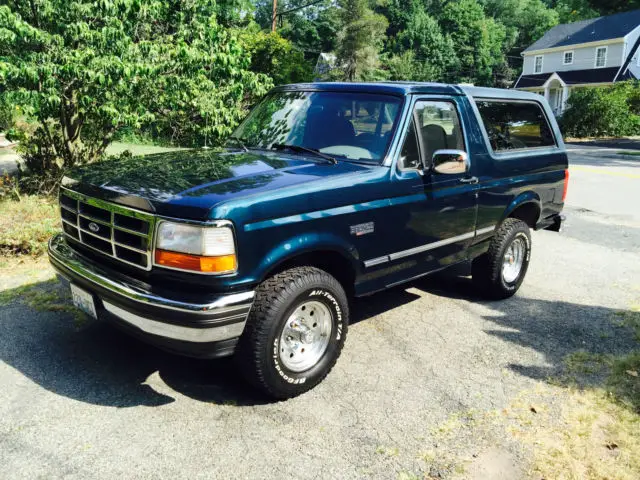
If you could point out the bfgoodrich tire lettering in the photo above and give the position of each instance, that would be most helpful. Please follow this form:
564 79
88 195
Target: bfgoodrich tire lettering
487 270
277 298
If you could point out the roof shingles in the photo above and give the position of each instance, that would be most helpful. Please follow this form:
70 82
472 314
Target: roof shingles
592 30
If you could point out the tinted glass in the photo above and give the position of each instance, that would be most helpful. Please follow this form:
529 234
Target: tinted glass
410 155
438 128
515 125
344 125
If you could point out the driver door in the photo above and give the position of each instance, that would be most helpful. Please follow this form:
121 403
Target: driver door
440 223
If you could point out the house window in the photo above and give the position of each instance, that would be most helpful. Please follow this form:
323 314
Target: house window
601 57
537 64
568 58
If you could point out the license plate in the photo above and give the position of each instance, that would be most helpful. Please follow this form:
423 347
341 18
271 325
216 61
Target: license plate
83 300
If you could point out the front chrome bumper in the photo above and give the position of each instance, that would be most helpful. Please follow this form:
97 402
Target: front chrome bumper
163 316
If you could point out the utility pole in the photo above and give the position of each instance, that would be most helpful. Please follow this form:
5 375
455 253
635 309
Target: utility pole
274 16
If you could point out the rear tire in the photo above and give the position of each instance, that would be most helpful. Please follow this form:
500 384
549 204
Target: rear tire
294 333
500 271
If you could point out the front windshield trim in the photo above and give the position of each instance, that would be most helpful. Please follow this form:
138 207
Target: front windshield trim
310 87
397 99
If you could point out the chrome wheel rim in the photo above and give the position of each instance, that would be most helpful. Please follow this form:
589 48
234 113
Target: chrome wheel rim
513 260
305 336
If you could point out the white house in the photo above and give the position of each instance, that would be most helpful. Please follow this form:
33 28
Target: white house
595 52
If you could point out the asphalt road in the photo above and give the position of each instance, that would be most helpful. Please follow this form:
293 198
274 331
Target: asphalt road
85 401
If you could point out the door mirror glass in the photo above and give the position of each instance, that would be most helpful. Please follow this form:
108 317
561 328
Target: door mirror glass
450 162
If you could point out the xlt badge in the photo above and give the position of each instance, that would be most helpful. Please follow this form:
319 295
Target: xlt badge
362 229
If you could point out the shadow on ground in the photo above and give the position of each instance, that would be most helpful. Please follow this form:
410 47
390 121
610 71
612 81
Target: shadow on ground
553 328
95 363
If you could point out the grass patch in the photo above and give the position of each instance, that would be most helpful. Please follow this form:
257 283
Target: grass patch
586 363
629 319
48 296
598 438
624 384
27 224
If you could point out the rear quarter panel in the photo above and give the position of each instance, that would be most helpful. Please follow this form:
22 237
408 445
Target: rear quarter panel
511 179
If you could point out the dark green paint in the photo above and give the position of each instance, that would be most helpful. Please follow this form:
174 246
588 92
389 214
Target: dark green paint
284 205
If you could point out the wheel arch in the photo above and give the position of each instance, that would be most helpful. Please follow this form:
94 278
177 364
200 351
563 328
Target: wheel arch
329 253
526 207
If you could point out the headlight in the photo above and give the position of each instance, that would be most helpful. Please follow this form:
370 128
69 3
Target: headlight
191 247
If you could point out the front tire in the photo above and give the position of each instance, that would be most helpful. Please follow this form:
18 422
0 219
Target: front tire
294 333
500 271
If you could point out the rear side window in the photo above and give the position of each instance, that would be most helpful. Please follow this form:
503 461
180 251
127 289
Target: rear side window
515 125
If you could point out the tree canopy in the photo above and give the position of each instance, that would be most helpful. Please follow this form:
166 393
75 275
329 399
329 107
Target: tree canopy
86 69
185 71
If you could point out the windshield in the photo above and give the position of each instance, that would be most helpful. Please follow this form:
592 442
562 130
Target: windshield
353 126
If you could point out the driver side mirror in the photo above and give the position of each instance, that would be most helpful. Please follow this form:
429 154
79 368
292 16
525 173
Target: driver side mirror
450 162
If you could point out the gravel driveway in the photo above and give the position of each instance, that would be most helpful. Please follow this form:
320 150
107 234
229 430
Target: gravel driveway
421 364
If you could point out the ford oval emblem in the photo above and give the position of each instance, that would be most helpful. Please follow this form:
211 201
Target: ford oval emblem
94 227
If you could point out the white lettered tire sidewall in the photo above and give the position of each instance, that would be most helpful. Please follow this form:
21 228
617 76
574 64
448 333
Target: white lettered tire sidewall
277 298
329 299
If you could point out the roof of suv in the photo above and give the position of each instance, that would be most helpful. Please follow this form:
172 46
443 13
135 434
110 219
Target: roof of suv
405 88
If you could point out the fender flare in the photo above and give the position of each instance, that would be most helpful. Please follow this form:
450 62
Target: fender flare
524 198
306 243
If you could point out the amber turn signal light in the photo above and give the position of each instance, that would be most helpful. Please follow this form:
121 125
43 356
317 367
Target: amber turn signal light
196 263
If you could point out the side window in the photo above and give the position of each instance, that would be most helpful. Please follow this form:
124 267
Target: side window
515 125
436 126
410 154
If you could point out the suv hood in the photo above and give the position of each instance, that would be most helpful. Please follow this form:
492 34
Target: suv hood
188 183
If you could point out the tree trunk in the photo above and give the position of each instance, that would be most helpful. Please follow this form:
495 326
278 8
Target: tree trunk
71 123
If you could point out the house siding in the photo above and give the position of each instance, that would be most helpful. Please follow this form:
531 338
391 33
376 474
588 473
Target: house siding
583 58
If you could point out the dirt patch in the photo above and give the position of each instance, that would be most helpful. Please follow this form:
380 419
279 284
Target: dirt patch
495 464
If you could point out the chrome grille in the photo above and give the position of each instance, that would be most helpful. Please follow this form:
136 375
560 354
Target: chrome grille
110 229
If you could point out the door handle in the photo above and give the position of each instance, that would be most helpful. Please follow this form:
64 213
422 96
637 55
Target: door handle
469 180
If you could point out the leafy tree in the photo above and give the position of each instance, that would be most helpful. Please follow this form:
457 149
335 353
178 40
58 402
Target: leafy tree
430 53
478 40
574 10
312 29
525 20
607 7
86 69
360 41
7 113
277 57
233 13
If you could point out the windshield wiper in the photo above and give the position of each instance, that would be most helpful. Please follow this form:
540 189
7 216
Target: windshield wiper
241 142
298 148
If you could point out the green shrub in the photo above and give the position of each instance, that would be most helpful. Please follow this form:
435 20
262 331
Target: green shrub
603 111
7 114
